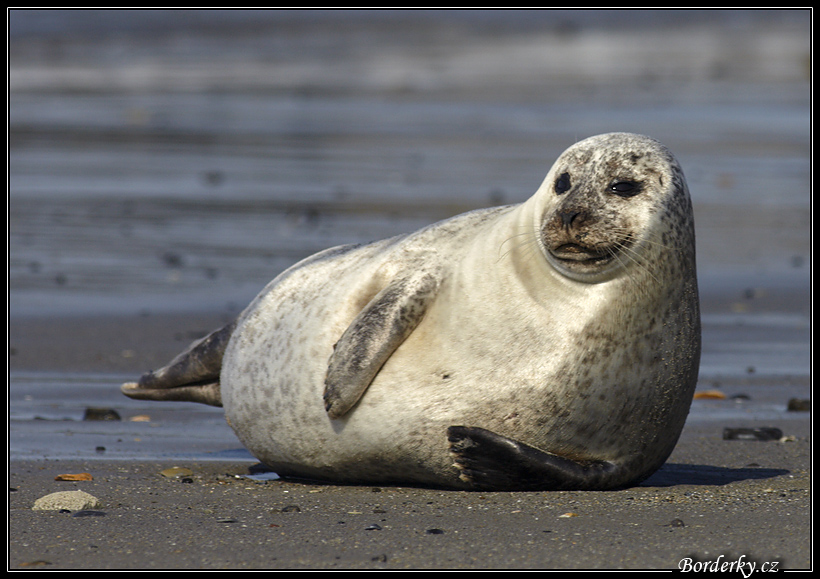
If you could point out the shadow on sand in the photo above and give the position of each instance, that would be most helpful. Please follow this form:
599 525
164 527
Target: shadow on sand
699 474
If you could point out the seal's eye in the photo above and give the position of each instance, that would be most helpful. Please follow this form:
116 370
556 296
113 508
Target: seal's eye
562 184
625 188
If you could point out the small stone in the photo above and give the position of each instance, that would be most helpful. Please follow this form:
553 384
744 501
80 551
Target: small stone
373 527
677 523
291 509
763 433
176 472
567 515
434 532
77 476
799 405
69 500
37 563
710 395
101 414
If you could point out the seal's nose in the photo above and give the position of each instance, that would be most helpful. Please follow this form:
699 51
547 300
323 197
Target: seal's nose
570 216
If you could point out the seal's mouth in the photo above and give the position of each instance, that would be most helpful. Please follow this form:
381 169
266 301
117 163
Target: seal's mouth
574 255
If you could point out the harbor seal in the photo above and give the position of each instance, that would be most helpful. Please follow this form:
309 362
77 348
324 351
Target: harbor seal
552 344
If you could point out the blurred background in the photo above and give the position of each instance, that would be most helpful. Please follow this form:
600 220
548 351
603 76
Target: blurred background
178 160
181 159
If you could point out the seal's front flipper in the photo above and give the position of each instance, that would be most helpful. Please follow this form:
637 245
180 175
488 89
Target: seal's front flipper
193 376
372 337
493 462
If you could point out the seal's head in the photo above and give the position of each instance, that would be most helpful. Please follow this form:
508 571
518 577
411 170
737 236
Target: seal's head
606 205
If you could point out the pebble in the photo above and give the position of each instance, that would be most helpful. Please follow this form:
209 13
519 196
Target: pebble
763 433
77 476
37 563
69 500
176 472
710 395
799 405
101 414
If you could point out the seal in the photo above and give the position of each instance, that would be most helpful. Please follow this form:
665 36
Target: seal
552 344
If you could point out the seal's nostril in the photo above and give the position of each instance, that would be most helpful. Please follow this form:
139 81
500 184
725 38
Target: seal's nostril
569 216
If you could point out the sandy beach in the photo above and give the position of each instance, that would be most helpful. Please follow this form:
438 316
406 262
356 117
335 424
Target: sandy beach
165 166
714 500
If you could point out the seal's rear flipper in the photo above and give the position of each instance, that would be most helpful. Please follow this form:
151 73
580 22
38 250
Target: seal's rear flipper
193 376
493 462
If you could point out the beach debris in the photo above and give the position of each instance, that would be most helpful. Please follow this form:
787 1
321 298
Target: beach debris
762 433
799 405
373 527
93 413
226 520
710 395
176 472
76 476
140 418
434 532
291 509
68 500
567 515
35 563
676 523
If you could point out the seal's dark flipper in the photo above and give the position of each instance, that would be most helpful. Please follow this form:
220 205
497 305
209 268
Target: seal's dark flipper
493 462
372 337
193 376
